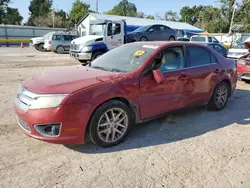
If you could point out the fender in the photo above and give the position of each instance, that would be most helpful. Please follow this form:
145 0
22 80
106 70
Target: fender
98 47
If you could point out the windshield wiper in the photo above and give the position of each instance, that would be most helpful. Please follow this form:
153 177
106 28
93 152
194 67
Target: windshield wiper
116 70
97 67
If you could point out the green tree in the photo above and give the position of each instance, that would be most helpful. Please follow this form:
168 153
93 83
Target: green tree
12 16
39 9
150 17
9 15
78 11
124 8
171 16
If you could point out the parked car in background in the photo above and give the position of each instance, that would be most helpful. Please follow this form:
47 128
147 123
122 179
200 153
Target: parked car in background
219 48
203 39
243 67
238 51
132 83
183 39
38 42
152 33
59 42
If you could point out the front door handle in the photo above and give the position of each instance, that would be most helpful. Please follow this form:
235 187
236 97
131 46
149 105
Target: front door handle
184 76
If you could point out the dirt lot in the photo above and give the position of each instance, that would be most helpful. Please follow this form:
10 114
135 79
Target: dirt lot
193 148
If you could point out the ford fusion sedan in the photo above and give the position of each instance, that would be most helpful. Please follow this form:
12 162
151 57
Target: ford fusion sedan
133 83
152 33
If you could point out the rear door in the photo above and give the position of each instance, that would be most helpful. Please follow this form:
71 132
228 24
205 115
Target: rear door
202 68
66 42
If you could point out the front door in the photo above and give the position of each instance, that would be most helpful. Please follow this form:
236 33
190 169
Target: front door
115 39
156 99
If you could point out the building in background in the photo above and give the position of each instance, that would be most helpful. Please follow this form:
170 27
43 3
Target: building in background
183 28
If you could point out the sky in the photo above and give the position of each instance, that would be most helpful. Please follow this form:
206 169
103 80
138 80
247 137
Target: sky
147 6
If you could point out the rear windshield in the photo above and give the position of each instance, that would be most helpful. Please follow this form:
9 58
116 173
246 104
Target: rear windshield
198 39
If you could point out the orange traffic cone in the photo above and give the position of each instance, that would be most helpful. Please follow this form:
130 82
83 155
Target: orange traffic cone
22 46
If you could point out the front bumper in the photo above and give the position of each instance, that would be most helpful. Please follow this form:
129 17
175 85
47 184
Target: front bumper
243 72
73 120
81 55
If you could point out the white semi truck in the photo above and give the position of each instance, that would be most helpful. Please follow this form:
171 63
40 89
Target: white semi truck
104 36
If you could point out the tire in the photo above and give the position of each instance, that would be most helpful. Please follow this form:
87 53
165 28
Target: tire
96 55
110 134
60 50
143 39
36 47
83 62
171 38
213 104
41 48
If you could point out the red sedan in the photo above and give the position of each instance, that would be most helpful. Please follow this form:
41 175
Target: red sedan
243 68
130 84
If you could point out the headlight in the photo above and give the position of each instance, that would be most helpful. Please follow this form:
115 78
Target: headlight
86 48
47 101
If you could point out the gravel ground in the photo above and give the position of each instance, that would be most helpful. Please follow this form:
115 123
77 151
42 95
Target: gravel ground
190 148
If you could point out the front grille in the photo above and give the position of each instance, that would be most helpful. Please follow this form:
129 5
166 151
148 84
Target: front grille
74 47
23 125
246 75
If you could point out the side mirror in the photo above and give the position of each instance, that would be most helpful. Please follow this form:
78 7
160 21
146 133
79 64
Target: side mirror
113 28
151 30
158 76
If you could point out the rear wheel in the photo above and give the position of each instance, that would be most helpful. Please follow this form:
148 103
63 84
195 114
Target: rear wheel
60 50
171 38
96 55
110 124
219 98
143 39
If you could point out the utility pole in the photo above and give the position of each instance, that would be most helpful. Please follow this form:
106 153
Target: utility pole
232 20
96 6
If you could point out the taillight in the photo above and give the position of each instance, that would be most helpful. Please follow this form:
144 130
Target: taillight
50 42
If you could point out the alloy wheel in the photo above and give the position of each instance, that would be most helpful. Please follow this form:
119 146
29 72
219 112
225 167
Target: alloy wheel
112 125
221 96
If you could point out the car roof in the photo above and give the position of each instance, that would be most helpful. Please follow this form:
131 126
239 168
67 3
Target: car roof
164 44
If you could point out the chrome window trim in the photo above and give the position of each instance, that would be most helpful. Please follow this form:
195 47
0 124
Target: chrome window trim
190 67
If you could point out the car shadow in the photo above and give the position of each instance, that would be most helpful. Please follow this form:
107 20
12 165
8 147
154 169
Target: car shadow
180 125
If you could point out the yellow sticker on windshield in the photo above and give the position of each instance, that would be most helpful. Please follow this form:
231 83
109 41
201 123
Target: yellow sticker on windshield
139 53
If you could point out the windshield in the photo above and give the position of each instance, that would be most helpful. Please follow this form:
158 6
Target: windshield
198 39
98 29
142 29
46 37
126 58
243 39
240 46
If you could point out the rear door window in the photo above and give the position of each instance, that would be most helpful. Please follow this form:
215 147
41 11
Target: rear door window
57 37
198 56
198 39
67 37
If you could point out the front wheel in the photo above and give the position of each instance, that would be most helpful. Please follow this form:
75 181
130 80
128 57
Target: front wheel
83 62
60 50
96 55
219 98
143 39
110 124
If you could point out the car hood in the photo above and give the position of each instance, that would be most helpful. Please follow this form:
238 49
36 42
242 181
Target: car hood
37 39
68 80
85 40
